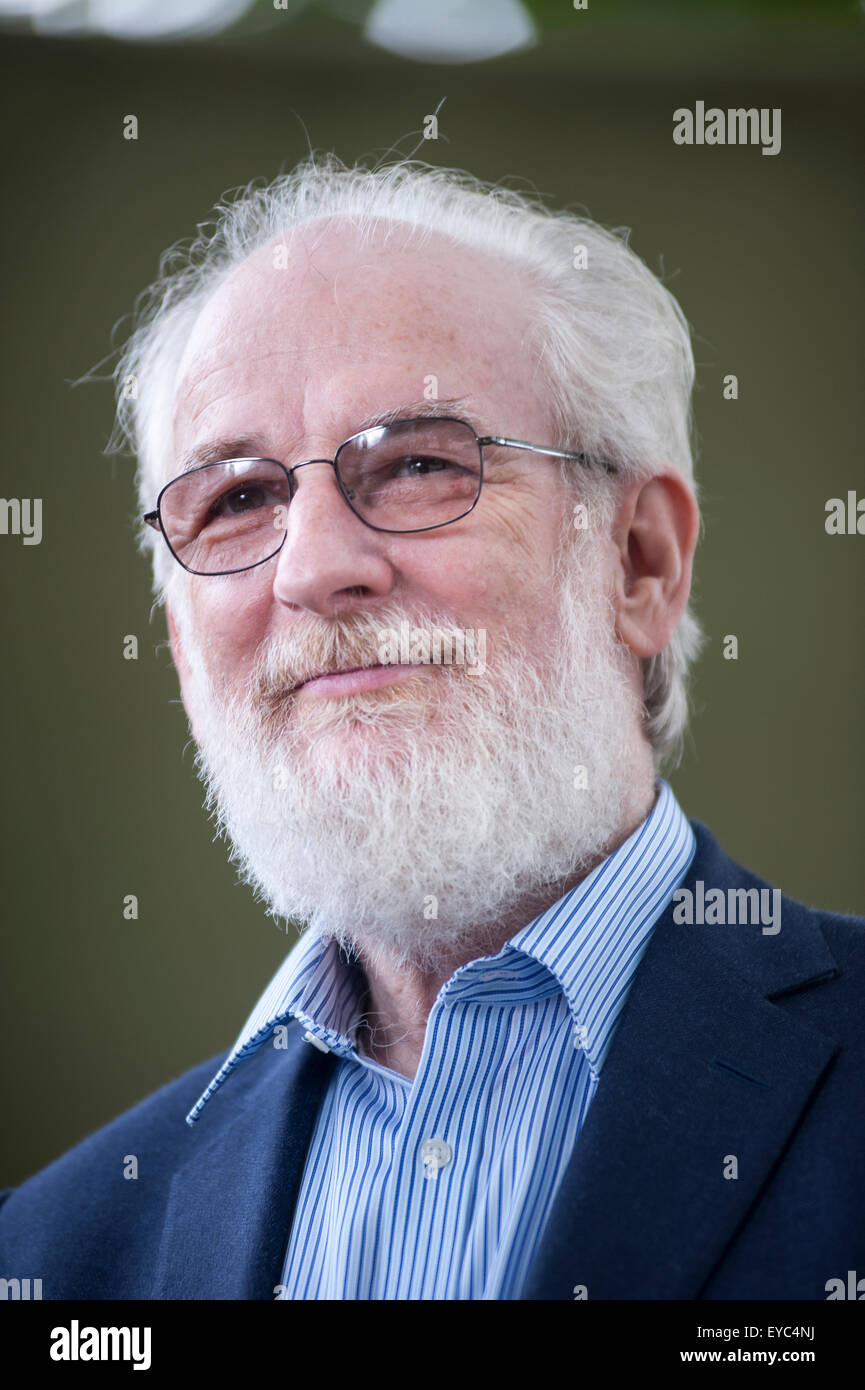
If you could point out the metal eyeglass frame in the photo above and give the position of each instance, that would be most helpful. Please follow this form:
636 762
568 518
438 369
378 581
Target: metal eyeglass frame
154 518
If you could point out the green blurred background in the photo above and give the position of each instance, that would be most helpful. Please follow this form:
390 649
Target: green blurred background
764 254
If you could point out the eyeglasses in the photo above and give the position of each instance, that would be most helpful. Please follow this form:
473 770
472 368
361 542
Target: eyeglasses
410 475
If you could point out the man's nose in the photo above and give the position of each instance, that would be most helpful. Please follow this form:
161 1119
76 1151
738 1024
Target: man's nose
329 561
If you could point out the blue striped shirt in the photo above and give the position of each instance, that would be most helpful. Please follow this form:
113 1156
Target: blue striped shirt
439 1187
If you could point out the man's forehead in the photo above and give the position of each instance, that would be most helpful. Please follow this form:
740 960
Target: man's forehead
304 292
385 318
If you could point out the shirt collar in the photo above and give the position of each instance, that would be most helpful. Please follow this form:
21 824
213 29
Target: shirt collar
593 938
587 944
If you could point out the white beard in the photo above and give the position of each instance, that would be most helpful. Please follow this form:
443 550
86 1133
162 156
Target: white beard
406 821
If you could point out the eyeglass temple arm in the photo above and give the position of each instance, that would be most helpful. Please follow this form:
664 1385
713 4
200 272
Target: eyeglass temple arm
152 519
539 449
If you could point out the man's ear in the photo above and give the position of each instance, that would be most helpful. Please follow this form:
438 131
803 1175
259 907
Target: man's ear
656 530
183 670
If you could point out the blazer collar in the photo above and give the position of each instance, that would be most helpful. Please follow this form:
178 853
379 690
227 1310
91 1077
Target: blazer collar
230 1207
703 1068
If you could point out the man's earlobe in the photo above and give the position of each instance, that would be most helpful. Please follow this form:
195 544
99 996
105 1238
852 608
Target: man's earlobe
656 532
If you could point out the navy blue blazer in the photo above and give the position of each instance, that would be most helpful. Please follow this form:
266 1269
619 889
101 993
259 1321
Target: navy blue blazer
733 1043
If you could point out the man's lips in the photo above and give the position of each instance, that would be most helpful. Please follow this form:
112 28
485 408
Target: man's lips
355 679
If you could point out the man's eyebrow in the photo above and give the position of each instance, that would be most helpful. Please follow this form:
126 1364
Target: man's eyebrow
425 410
246 446
253 446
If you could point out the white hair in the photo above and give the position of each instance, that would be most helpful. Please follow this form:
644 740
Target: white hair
608 339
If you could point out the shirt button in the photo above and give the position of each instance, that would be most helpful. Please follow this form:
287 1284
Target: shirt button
435 1153
316 1042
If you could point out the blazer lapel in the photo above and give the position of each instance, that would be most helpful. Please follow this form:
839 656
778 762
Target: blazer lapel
230 1207
704 1072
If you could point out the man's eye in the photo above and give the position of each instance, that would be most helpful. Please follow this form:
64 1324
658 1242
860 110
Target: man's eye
239 500
416 466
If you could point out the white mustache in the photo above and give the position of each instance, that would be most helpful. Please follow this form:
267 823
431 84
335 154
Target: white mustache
352 642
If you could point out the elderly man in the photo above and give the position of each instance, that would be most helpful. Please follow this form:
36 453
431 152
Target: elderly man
414 455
